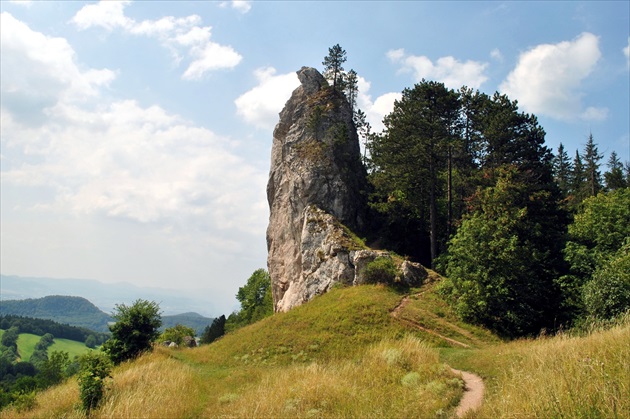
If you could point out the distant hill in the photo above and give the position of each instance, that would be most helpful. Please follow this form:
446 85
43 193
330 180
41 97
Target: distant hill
194 320
75 311
78 311
106 295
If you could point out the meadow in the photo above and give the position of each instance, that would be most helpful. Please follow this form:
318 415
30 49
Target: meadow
344 355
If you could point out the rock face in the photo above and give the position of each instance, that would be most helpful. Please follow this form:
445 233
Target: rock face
316 194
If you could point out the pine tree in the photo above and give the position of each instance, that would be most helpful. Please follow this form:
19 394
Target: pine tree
591 166
352 88
411 156
333 66
614 176
562 168
578 179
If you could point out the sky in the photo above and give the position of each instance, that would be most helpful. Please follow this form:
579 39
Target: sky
136 136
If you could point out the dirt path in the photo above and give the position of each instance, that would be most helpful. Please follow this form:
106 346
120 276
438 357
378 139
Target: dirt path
473 384
396 313
473 392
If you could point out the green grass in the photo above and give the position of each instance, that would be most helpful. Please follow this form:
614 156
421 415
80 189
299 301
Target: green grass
343 355
73 348
26 345
27 341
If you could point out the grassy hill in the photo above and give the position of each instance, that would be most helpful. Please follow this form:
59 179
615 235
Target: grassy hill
27 341
365 352
79 312
75 311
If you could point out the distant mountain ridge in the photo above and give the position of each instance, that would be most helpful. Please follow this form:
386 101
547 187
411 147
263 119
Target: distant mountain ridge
106 295
75 311
80 312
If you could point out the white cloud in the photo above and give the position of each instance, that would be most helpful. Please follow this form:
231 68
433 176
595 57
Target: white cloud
37 70
261 105
594 114
106 14
496 55
242 6
375 110
547 78
181 36
116 158
626 51
448 70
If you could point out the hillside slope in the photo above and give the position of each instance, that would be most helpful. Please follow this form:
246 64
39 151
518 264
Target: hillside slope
345 354
75 311
78 311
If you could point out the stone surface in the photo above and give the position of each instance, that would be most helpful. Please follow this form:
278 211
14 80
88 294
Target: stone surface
316 195
315 160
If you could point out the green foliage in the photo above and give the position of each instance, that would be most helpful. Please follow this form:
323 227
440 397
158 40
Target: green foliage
135 329
381 270
607 295
94 369
598 231
177 334
42 326
10 337
256 301
213 331
333 66
502 263
52 370
614 177
91 342
74 311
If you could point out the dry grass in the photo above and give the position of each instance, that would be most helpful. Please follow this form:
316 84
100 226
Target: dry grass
394 379
559 377
154 386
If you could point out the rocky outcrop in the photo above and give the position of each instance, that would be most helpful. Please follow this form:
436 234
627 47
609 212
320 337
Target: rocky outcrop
316 195
315 160
331 254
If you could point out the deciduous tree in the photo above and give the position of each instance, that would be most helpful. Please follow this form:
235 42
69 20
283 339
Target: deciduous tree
135 329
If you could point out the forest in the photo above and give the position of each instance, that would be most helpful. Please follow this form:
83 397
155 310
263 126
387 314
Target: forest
463 182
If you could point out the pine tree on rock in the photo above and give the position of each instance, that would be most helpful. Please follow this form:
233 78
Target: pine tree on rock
333 66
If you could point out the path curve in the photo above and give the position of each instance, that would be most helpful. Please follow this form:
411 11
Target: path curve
473 384
473 392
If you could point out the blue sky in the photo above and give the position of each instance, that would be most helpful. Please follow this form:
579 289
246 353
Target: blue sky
136 136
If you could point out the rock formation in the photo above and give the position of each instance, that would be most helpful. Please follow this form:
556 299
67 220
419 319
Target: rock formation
316 194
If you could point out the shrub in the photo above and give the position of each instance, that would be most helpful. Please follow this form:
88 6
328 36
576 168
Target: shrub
381 270
607 295
135 329
95 367
177 334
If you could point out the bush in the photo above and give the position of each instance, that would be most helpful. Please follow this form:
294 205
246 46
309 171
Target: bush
94 369
380 270
177 334
136 328
607 295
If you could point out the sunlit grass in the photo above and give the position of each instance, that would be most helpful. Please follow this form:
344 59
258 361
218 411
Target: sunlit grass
394 379
562 376
343 355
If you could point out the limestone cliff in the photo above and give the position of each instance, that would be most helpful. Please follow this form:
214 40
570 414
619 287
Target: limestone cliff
316 187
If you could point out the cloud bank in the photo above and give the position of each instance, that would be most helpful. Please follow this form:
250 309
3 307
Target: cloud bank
114 158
